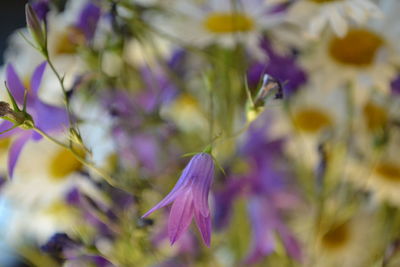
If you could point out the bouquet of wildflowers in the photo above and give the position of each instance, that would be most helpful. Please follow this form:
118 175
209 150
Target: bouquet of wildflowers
202 133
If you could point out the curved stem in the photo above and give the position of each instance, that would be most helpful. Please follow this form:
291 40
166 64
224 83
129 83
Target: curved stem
61 81
79 157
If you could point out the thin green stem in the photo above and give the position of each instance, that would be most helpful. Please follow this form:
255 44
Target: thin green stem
79 157
61 81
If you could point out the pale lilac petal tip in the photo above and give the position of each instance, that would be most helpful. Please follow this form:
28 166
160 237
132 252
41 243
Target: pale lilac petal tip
204 225
165 201
180 217
182 183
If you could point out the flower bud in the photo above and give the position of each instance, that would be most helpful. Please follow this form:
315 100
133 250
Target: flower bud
7 113
35 26
4 109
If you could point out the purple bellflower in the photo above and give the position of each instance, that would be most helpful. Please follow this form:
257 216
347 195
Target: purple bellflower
46 117
190 197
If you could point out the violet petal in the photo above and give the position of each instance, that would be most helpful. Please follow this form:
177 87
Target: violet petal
181 216
15 85
15 151
37 78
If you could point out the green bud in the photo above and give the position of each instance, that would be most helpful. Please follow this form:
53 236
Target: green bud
35 27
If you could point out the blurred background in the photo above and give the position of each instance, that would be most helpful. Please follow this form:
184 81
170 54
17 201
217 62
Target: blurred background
12 17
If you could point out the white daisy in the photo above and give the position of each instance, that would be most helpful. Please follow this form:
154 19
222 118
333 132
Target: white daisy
365 58
337 238
313 117
378 170
44 174
315 15
219 22
95 130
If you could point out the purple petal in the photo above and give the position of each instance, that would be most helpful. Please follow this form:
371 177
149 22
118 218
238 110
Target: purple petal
180 216
291 244
202 182
50 118
15 85
15 150
5 125
261 219
41 8
204 225
182 183
37 78
395 85
88 19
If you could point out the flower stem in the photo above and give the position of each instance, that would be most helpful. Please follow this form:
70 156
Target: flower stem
61 81
79 157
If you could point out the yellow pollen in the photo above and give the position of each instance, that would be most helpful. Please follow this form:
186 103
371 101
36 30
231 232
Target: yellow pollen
358 48
26 82
4 144
376 117
64 163
388 171
337 237
311 120
324 1
68 41
221 23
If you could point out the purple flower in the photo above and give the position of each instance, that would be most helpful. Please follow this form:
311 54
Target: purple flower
46 117
190 197
88 19
223 201
395 85
266 222
282 67
41 8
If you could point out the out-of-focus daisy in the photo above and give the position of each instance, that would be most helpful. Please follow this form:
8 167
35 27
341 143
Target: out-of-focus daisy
220 22
43 176
339 240
315 15
378 171
313 117
363 58
335 237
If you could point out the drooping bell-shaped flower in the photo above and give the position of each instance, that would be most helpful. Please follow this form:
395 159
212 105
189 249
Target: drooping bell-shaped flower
190 199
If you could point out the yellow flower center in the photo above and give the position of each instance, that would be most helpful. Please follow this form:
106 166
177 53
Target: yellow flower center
26 82
376 117
68 41
4 144
388 171
64 163
358 48
311 120
220 23
337 237
324 1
